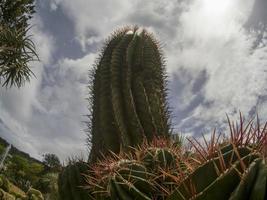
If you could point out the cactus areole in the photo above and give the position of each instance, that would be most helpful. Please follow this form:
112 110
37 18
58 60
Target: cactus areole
128 95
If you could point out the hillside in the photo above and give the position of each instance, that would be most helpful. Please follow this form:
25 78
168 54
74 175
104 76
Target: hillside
25 172
15 151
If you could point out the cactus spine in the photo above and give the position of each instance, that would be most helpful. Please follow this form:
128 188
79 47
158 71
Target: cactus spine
228 168
128 94
233 168
237 174
148 172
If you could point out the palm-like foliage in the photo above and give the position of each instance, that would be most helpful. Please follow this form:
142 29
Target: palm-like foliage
16 51
16 48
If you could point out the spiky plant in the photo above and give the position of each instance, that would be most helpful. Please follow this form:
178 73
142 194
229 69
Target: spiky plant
167 161
233 168
147 172
122 178
128 97
220 168
71 180
17 49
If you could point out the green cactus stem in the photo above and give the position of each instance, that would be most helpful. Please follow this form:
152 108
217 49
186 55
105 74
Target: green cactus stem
147 172
239 173
128 97
120 179
71 182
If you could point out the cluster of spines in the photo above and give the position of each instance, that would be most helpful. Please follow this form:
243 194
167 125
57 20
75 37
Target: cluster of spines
229 168
144 173
223 176
128 97
218 168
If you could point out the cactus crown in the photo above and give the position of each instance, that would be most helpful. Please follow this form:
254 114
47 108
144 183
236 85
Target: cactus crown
128 95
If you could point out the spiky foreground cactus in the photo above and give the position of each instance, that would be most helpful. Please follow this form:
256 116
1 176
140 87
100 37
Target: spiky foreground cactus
229 168
128 93
237 174
235 169
70 182
122 179
145 173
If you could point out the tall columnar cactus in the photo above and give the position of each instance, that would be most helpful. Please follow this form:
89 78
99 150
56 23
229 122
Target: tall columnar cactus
71 182
128 97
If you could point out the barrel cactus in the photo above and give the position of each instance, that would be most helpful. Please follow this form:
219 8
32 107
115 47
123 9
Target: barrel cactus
147 172
233 169
128 97
71 182
168 165
237 174
120 179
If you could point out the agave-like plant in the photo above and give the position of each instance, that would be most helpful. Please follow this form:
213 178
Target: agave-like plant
17 49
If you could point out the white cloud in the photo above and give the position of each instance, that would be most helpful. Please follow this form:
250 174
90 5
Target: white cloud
204 40
62 106
16 104
55 111
46 114
95 20
34 115
219 44
198 36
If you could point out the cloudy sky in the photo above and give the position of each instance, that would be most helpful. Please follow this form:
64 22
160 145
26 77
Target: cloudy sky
216 52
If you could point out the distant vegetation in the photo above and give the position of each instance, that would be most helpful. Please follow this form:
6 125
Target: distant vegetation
25 172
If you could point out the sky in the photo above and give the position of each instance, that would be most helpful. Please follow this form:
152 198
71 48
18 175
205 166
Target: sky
216 60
